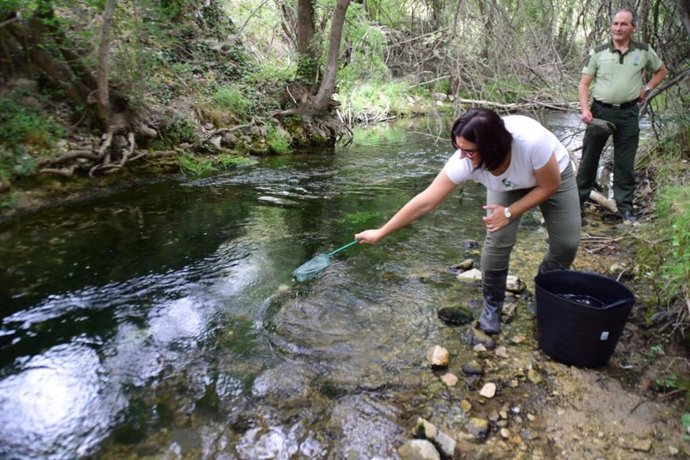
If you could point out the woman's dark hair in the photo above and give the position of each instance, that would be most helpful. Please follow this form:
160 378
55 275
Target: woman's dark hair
486 129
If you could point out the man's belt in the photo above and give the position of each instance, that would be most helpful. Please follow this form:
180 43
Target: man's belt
624 105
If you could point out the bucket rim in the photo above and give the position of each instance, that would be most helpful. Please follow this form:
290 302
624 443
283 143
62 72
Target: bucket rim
538 281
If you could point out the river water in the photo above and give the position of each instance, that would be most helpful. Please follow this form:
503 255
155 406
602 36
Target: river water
163 321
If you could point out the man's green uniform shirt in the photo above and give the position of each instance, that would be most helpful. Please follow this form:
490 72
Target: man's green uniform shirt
617 76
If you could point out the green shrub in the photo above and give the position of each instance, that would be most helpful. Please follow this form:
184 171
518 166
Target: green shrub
374 101
231 99
278 141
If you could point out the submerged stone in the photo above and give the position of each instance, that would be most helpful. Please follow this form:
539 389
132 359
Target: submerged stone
472 368
455 316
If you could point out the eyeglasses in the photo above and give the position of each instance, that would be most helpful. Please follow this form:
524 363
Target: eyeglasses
469 153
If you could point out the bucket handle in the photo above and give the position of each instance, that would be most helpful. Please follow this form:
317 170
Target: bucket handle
617 303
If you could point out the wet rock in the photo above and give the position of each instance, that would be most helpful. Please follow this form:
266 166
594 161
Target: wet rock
501 352
472 276
456 316
472 382
463 266
515 285
472 368
441 441
438 357
509 310
418 449
479 337
478 428
488 391
449 379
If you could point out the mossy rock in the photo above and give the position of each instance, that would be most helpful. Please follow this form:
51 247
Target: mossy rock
456 316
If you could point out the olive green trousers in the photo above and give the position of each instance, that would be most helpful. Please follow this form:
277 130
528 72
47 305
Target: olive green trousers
625 142
561 214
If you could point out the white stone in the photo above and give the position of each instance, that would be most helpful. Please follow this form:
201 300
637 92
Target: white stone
488 390
438 356
470 276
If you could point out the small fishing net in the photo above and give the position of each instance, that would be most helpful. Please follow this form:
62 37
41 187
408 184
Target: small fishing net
312 268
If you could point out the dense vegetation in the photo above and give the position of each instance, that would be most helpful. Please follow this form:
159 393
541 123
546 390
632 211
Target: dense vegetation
87 87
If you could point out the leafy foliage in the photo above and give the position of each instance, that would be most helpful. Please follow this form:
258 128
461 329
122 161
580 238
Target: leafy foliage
673 217
26 130
232 99
278 141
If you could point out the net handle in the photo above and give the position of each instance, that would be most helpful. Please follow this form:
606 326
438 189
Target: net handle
332 253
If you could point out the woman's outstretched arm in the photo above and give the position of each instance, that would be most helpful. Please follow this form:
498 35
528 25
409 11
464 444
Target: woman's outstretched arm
417 207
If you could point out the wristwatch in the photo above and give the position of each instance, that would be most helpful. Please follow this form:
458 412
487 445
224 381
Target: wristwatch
507 213
647 89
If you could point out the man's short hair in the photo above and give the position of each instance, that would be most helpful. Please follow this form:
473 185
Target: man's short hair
633 21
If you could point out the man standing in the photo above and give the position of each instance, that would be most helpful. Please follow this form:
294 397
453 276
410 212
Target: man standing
616 70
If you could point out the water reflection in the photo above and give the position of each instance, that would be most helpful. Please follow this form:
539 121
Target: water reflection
57 405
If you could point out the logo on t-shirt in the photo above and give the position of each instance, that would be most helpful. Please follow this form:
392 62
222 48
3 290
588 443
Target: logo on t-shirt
507 183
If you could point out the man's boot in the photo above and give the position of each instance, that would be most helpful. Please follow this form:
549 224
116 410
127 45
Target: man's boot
494 290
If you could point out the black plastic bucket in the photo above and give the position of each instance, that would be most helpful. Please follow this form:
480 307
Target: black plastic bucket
580 316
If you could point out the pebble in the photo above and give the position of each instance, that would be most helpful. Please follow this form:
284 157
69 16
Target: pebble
534 377
472 368
449 379
488 390
501 352
438 356
418 449
466 406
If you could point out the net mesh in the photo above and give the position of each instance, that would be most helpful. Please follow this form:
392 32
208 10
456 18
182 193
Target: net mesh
312 267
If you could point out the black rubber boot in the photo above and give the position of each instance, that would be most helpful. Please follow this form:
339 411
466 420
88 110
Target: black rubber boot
494 290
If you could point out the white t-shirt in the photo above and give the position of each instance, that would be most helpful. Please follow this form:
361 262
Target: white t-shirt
531 149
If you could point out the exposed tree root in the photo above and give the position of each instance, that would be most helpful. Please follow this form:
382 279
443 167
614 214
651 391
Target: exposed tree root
111 155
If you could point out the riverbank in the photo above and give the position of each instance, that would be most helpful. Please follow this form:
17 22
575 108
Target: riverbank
543 409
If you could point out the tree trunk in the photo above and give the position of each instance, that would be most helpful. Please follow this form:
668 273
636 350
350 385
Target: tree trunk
684 11
58 72
307 51
46 12
323 97
103 102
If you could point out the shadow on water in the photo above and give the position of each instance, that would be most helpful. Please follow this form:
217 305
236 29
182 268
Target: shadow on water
162 321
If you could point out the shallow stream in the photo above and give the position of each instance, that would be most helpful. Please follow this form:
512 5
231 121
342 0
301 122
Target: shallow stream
162 321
